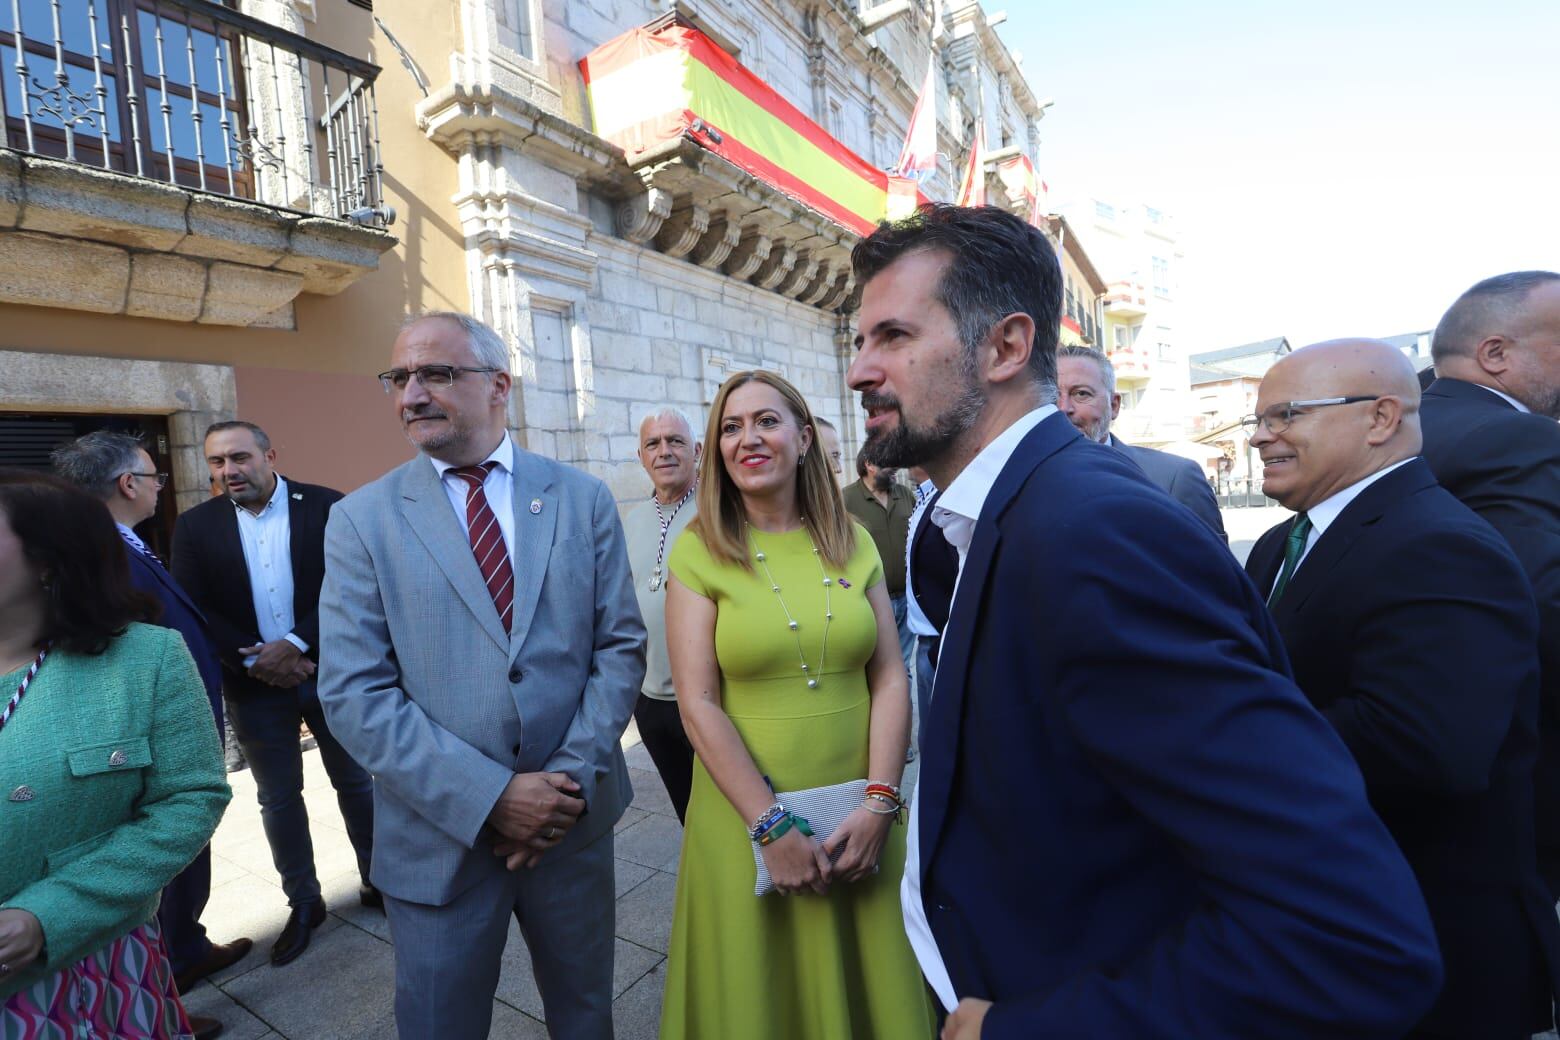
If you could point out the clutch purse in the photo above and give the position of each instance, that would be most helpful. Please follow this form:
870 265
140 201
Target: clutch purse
824 809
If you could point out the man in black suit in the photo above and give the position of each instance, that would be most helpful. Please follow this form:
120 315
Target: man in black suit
1129 822
1086 394
117 469
254 559
1491 440
1411 627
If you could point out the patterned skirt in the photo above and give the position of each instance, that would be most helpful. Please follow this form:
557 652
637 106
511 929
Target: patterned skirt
124 991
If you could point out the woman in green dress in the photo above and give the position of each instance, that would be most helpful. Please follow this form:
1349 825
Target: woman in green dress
786 661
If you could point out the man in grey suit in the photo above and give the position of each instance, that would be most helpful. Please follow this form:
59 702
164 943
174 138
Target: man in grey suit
485 654
1086 392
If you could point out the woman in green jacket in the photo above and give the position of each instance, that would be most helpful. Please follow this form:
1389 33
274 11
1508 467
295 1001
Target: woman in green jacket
111 775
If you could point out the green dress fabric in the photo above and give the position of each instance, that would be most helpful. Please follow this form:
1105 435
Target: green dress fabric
834 967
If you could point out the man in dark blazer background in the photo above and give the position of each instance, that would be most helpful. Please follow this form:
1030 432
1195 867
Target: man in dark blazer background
1086 394
115 468
1129 822
1412 629
253 558
1492 440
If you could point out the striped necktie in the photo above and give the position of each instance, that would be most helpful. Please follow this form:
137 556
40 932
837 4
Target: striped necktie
1294 546
145 550
487 541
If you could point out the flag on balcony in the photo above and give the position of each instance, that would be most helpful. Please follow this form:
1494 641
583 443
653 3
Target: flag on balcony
650 88
1018 176
973 191
918 158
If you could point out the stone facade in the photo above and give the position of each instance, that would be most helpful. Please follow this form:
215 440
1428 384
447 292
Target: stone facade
623 287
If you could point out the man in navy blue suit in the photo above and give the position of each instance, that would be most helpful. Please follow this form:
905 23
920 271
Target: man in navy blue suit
118 470
1129 822
1413 630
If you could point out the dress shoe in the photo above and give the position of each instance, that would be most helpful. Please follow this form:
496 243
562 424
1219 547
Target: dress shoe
295 933
217 958
205 1028
370 897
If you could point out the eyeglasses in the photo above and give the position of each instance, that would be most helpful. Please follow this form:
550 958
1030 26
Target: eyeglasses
159 479
432 377
1277 418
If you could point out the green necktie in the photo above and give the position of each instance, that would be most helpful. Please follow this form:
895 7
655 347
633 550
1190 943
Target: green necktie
1294 545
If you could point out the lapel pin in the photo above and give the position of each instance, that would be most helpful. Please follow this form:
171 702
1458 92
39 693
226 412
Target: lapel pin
297 496
536 506
22 794
844 584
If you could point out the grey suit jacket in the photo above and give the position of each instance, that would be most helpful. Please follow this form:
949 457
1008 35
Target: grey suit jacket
1179 478
429 694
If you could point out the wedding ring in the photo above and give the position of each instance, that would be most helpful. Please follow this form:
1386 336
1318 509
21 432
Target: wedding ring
5 969
552 832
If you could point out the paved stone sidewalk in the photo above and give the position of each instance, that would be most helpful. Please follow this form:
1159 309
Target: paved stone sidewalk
343 987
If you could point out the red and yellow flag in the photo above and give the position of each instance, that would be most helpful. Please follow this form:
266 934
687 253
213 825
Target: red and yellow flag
647 88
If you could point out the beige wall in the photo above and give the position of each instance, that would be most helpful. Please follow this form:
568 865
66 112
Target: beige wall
336 430
313 388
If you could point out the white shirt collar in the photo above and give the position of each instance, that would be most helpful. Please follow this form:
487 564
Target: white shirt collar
1328 509
960 505
278 493
504 455
1518 405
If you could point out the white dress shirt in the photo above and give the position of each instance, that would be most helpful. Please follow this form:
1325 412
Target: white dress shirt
498 487
267 541
1518 405
957 511
915 618
1326 511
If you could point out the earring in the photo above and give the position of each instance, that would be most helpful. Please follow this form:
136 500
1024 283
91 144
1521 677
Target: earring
801 459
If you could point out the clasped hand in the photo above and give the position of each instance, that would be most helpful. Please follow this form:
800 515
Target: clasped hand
278 663
798 864
21 940
533 814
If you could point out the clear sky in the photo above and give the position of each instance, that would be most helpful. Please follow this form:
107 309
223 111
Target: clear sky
1336 168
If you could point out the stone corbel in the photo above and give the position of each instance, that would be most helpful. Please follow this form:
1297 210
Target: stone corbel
839 295
820 285
749 254
773 271
683 229
641 217
801 276
717 243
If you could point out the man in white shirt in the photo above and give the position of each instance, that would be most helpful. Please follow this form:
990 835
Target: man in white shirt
1411 627
1104 841
253 558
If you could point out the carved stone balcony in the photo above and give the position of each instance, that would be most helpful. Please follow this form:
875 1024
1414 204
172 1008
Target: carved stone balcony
175 159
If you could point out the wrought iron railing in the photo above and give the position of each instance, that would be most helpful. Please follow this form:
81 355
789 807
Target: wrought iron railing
196 94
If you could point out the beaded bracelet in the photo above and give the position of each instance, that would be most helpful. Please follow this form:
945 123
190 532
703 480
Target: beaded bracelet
776 831
888 791
766 820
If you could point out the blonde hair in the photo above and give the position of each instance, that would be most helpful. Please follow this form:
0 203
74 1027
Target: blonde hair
722 520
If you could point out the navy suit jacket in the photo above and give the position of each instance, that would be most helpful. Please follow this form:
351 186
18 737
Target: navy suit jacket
1505 465
1131 822
1412 629
1181 479
180 612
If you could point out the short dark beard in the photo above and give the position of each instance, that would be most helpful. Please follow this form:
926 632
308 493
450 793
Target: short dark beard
903 446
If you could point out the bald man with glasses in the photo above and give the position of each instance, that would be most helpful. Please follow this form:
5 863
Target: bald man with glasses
1411 627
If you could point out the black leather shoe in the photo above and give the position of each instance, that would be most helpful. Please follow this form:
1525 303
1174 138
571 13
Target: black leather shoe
205 1028
370 897
295 933
218 958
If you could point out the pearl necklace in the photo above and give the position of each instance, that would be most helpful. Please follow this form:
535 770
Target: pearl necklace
790 620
